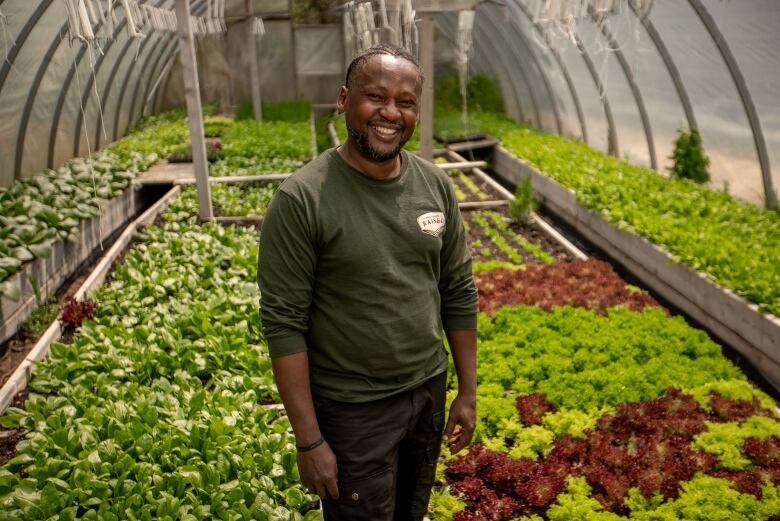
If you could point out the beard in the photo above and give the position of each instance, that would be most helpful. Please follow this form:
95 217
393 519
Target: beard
366 150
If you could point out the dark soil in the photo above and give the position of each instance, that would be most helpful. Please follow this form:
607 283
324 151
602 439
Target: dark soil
531 232
480 244
491 192
8 440
15 353
10 437
20 346
487 191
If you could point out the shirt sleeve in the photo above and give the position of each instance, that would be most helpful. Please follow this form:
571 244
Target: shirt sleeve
285 274
456 284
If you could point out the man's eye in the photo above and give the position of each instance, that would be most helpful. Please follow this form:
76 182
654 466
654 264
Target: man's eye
375 97
407 103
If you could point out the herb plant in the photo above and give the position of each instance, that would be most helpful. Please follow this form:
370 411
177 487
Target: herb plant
690 161
75 312
524 203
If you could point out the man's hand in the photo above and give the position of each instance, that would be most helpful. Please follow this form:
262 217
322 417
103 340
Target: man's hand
318 471
463 414
317 467
463 411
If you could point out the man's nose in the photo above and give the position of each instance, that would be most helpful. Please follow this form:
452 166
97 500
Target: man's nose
390 111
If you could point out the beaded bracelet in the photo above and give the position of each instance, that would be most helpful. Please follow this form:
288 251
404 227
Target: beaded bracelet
311 446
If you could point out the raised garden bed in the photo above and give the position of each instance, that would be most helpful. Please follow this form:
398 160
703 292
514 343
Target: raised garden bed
173 388
54 221
604 413
609 414
496 240
754 334
172 359
42 276
471 188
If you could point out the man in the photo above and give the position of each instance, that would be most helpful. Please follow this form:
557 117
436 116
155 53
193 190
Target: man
363 262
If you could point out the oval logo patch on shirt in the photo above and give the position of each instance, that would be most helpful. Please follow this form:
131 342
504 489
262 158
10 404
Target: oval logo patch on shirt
431 223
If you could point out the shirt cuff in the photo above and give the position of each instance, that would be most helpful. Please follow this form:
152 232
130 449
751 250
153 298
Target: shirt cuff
286 345
455 322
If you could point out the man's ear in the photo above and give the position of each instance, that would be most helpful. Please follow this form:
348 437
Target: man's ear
342 99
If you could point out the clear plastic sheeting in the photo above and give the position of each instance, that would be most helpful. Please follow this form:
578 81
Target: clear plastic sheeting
721 117
56 88
657 88
622 75
753 34
318 50
639 71
630 137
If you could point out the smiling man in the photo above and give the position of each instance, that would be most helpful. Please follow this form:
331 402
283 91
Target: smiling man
363 262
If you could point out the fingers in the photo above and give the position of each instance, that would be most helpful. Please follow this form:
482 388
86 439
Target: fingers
464 417
332 488
325 488
318 470
460 440
321 490
450 427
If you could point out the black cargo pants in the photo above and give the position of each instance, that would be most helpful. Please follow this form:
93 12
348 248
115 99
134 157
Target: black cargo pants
386 451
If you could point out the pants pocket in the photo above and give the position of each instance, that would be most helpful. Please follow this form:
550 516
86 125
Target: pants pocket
433 447
367 498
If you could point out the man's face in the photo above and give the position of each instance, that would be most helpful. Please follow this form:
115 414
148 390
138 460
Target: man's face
381 106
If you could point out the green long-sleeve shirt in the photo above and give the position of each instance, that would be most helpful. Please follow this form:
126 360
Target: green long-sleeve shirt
364 275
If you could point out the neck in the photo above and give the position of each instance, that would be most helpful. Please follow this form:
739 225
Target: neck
380 171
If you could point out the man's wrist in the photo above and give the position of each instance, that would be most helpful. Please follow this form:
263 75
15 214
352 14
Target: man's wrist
467 393
311 446
307 438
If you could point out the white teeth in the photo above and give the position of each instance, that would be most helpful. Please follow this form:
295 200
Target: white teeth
385 131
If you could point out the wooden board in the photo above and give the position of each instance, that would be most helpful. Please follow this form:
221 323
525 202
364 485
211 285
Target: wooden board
165 173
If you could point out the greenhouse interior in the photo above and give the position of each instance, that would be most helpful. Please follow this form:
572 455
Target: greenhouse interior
615 165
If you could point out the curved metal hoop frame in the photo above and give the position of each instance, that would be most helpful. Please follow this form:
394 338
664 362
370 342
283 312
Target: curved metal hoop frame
770 197
556 55
635 91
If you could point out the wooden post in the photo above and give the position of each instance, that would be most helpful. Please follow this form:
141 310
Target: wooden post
254 73
426 111
194 112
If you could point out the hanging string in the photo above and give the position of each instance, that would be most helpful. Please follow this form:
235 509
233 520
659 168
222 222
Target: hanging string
257 28
463 41
4 27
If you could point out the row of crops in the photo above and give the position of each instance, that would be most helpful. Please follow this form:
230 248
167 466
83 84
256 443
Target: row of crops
154 411
36 212
594 403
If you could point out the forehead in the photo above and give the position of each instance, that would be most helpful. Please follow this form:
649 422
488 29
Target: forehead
386 71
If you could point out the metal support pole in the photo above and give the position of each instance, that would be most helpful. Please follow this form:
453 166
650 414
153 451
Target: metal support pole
194 112
426 107
254 73
770 197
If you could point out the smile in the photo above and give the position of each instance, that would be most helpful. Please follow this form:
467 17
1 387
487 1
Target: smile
385 131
